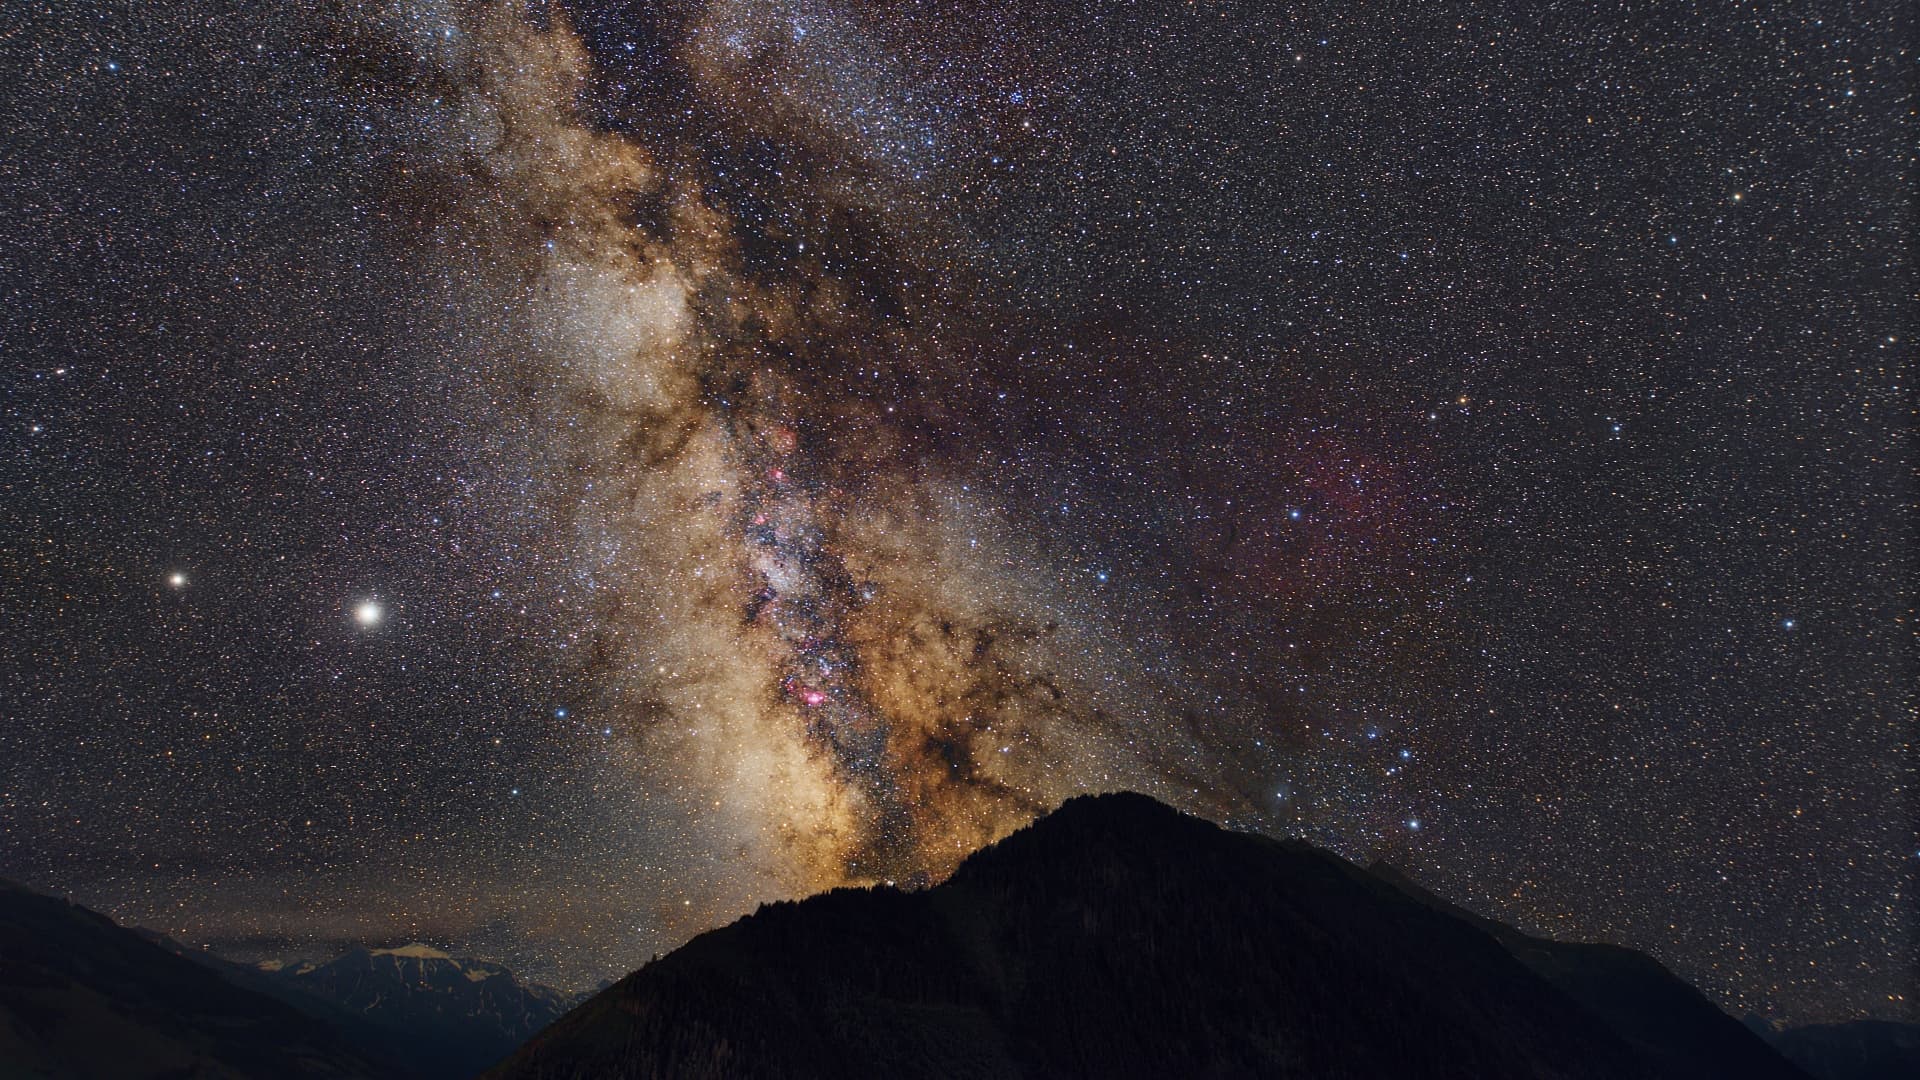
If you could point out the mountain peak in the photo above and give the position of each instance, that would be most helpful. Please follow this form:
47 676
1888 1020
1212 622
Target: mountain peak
1086 825
1115 808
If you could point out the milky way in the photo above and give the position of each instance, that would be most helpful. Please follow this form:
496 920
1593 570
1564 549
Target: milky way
797 607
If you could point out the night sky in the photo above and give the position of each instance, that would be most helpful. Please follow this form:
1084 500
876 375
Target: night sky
541 480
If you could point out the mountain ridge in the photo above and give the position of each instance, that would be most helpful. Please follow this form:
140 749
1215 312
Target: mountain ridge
1113 937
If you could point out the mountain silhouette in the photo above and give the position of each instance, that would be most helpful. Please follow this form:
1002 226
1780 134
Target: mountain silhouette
1117 937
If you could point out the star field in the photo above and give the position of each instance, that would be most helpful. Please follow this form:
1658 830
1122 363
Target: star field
544 479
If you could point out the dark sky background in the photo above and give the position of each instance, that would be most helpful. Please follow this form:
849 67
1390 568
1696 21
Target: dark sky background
789 443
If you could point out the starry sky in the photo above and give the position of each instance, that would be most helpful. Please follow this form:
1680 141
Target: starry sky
543 478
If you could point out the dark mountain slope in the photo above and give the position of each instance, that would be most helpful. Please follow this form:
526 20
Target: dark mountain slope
82 998
1114 938
1658 1012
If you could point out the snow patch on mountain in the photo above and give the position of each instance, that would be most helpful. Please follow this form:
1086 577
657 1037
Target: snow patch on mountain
414 950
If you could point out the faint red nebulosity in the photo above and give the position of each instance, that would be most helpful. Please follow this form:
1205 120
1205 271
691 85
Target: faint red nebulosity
1323 517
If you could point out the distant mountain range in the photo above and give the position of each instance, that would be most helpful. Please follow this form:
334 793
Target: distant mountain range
1113 938
444 1016
434 1016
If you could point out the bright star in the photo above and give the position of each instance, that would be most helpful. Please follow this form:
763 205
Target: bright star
177 579
369 613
